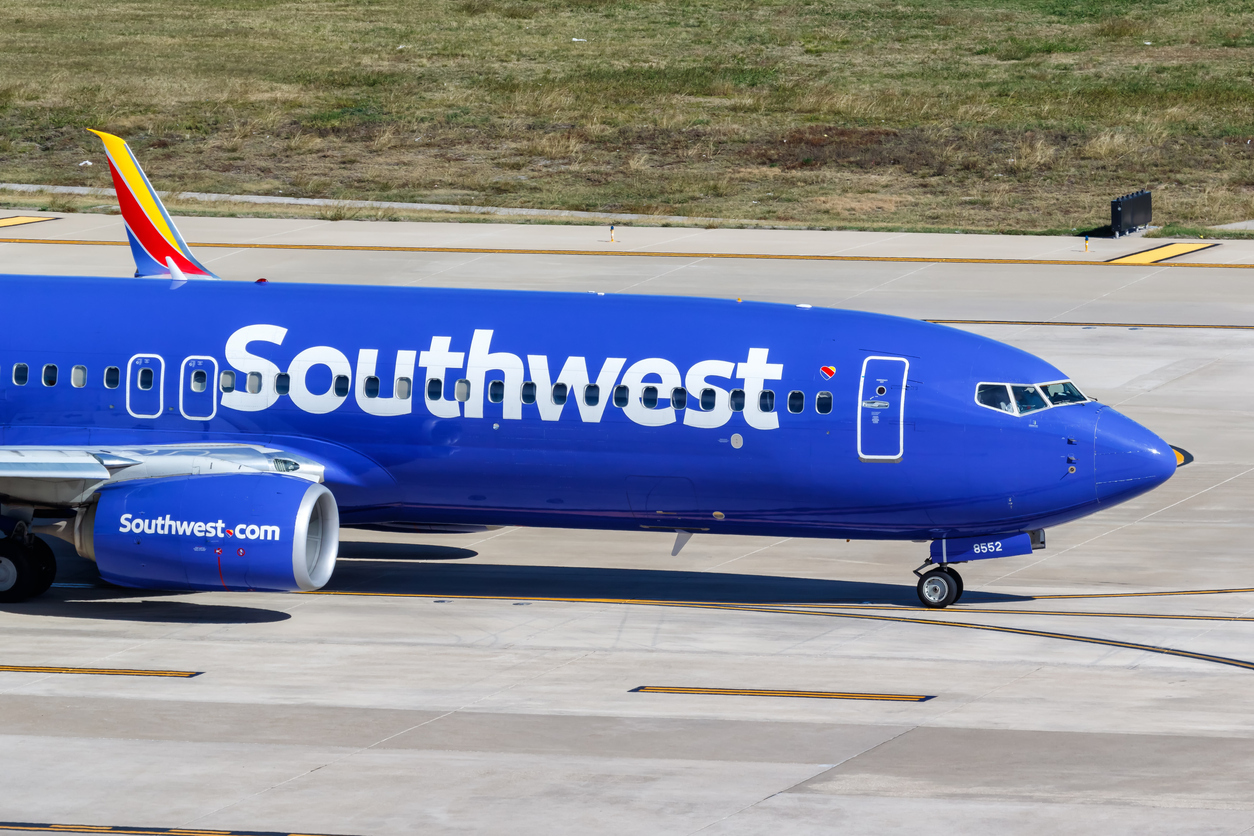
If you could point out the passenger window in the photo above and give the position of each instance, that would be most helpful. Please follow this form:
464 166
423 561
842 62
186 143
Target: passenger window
766 401
560 391
50 375
709 399
370 387
21 373
621 394
648 397
496 391
254 383
1029 398
1061 393
796 402
435 389
592 394
145 378
282 383
528 392
200 380
226 381
341 385
113 376
738 400
679 398
823 403
461 390
994 396
404 388
78 377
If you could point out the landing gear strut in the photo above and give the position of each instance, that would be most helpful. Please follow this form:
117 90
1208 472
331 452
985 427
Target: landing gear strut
939 587
27 566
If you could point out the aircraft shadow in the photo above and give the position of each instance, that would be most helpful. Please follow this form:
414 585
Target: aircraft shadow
402 551
582 582
157 612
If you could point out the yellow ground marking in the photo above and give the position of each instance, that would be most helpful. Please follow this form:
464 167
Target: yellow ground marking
622 253
964 610
1159 254
137 831
833 613
97 671
18 220
760 692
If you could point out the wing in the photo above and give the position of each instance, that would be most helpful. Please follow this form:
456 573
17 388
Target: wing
66 477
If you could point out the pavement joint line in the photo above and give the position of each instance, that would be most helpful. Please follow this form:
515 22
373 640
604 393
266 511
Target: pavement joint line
99 671
764 692
639 254
861 616
138 831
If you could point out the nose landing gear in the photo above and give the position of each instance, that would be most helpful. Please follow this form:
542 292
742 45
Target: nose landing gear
939 587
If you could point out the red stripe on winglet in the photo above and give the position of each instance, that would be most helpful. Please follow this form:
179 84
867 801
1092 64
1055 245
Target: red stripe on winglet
148 236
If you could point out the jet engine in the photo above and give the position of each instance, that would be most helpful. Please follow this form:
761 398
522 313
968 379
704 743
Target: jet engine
240 531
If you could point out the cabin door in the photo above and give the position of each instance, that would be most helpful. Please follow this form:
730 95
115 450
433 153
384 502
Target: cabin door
881 409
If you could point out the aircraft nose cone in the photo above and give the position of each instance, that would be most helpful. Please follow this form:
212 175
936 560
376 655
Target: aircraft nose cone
1128 459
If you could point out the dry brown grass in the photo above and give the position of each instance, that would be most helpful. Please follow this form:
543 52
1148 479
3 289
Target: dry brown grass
902 114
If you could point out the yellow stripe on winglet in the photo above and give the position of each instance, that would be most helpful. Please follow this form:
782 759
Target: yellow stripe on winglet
120 155
1157 254
18 220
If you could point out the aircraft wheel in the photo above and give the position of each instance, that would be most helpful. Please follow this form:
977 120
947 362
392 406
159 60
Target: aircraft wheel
19 572
46 567
958 580
937 589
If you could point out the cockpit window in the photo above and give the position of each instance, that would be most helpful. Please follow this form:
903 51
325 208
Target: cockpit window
1029 398
995 396
1063 392
1020 399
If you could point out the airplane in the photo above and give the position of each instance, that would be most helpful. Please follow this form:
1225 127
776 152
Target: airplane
190 433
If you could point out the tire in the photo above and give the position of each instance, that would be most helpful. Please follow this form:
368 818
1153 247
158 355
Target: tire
19 574
937 589
958 579
45 567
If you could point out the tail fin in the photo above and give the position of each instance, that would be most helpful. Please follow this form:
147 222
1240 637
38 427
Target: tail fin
159 250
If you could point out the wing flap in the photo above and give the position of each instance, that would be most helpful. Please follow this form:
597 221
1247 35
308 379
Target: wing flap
59 465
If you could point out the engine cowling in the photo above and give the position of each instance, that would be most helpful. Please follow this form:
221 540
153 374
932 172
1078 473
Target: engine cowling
239 531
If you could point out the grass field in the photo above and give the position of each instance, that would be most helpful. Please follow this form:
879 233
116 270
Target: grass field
1018 116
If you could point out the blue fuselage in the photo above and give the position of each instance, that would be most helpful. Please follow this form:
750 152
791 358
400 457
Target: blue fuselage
483 437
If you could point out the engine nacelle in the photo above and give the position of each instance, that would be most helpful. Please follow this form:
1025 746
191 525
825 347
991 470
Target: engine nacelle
241 531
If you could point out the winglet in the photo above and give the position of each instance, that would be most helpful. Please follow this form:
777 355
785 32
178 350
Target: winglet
155 242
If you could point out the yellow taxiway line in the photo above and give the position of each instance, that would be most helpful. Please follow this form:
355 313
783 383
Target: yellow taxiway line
97 671
21 826
761 692
626 253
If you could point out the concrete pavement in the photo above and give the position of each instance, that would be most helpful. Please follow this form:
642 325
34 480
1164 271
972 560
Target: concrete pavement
484 683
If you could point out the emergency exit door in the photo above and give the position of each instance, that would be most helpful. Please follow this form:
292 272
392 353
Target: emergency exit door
881 409
145 379
198 388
